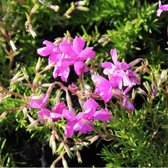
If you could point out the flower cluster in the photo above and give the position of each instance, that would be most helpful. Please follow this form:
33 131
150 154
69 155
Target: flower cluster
120 80
117 80
66 54
82 122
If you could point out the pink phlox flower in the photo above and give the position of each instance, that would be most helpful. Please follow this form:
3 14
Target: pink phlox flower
52 50
117 76
65 54
77 54
57 57
80 122
55 114
38 101
76 51
103 87
116 71
83 121
110 68
57 111
118 65
119 73
161 8
62 70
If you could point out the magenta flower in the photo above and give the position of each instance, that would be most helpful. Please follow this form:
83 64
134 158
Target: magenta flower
162 8
103 87
75 123
116 71
38 101
54 114
51 50
118 65
65 54
76 54
120 79
76 51
83 121
62 70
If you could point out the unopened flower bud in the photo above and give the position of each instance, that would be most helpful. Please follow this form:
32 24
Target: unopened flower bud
17 77
78 157
80 3
54 7
82 8
68 151
64 162
12 45
58 96
36 79
3 116
47 68
32 125
52 143
68 99
60 148
38 64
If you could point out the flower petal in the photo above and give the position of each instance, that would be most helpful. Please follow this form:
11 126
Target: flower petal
68 114
87 53
59 107
90 104
64 73
69 131
38 101
113 53
102 115
43 114
109 68
66 48
103 87
78 44
79 67
44 51
83 126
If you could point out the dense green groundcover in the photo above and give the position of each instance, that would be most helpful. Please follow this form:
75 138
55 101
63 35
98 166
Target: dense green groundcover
139 138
